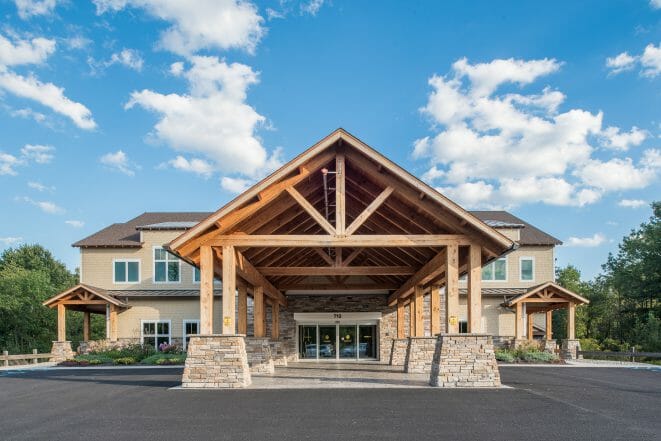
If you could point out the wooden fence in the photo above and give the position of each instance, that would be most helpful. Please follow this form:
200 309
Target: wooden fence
19 359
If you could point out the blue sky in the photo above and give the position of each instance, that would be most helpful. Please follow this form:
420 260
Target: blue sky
111 108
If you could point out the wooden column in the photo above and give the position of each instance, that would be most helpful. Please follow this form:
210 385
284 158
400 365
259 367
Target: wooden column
86 326
275 320
435 310
474 298
571 321
113 322
61 323
549 325
529 322
242 324
452 288
518 321
340 199
418 300
258 311
229 290
401 330
206 290
411 319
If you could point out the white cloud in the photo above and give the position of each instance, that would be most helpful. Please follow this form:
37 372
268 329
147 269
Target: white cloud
45 206
197 166
7 164
40 187
41 154
199 24
651 159
34 51
311 7
130 58
9 241
586 242
655 4
75 223
649 61
30 8
213 119
494 149
119 161
632 203
77 42
615 139
235 185
28 113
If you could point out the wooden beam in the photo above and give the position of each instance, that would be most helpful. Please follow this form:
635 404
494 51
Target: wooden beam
340 194
367 212
113 322
86 325
83 302
411 318
529 323
313 212
435 310
418 305
518 322
452 288
336 271
250 274
474 297
61 322
571 320
229 291
242 324
206 290
323 241
549 325
275 320
258 311
401 330
324 255
350 258
430 270
285 286
538 300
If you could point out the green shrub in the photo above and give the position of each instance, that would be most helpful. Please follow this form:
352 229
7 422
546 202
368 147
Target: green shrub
125 360
136 351
505 355
538 356
94 359
164 359
590 344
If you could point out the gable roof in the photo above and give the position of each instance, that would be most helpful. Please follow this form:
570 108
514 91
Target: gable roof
96 291
553 287
127 234
530 235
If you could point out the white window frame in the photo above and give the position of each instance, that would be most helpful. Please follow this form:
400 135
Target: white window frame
195 282
183 332
493 279
521 259
126 282
156 334
153 258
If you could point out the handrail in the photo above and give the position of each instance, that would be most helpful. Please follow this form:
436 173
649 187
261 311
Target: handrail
34 356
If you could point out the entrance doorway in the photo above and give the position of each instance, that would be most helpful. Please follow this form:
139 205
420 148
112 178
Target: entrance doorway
337 341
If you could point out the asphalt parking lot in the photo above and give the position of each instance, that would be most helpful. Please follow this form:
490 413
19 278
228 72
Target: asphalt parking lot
548 403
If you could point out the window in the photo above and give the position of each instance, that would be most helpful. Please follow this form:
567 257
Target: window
126 271
463 327
166 267
155 332
496 270
527 268
190 327
196 275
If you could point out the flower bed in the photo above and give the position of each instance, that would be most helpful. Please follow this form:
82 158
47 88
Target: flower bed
526 354
130 355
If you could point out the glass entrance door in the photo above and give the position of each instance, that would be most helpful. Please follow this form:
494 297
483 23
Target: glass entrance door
327 341
347 341
366 341
307 342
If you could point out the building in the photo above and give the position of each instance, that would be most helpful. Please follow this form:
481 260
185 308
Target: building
339 255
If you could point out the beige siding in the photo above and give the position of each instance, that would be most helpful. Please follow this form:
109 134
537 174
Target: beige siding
543 268
511 233
97 264
496 320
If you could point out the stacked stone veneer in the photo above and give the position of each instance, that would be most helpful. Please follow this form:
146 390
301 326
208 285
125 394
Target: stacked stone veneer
398 352
216 361
568 349
420 354
464 360
549 346
61 351
258 351
278 353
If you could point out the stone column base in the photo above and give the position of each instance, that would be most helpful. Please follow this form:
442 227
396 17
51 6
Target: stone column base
260 360
549 346
568 349
464 360
398 352
216 362
61 351
278 353
420 354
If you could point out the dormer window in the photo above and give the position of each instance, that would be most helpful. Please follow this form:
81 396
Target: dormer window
167 267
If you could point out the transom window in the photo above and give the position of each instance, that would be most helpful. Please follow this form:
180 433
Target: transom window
155 332
126 271
496 270
527 268
166 267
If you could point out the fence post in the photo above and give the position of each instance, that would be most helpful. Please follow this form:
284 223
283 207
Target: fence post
6 354
35 360
633 350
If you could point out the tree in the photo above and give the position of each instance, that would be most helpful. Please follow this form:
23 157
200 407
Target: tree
570 277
